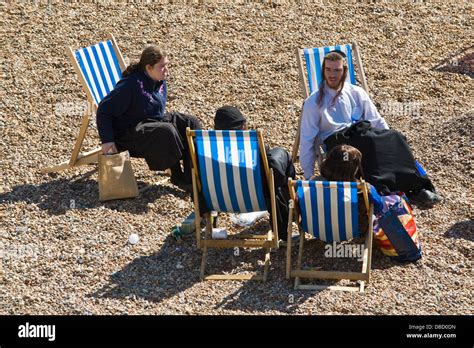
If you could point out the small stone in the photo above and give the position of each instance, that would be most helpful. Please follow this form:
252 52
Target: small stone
133 238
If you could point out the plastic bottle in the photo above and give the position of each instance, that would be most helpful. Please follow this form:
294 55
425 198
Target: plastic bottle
219 233
176 232
214 218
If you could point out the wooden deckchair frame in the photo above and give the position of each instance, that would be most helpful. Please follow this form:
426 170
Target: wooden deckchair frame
298 273
305 87
79 159
204 242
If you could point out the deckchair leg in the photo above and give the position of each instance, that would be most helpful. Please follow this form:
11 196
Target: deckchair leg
197 214
367 256
203 261
76 158
369 241
270 235
205 249
297 283
300 256
289 241
328 287
267 264
363 81
274 223
304 86
296 144
80 137
82 159
364 266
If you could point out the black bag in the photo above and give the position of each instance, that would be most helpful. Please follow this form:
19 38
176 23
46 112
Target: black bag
344 136
387 160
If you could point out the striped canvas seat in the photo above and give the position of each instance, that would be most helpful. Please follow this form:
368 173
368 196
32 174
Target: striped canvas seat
230 170
100 68
314 60
230 175
329 209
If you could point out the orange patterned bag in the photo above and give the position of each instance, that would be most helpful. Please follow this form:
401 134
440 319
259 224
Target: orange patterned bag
395 229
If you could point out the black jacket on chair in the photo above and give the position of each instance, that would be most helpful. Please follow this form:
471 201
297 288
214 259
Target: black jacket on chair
387 160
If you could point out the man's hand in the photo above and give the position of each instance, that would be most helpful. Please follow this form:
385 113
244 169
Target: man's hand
109 148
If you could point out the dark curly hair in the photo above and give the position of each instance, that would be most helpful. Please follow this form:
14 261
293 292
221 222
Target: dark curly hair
343 163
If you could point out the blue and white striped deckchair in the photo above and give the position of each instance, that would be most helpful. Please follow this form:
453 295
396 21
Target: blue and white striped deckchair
311 74
328 211
314 60
99 68
99 65
310 62
229 167
230 170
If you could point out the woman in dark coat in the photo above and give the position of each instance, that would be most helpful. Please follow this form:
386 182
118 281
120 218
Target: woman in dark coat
132 117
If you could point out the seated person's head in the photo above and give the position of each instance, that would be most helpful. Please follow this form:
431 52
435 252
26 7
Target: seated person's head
343 163
229 118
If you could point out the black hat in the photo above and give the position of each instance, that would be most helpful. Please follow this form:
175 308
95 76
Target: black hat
228 118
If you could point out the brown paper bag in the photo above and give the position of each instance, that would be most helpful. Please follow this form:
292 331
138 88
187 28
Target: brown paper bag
116 178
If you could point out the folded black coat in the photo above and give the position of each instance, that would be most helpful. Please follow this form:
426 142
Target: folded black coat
387 160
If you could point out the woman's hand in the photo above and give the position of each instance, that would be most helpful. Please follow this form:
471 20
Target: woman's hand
109 148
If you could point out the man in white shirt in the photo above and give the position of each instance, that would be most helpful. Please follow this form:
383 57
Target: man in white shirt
335 106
